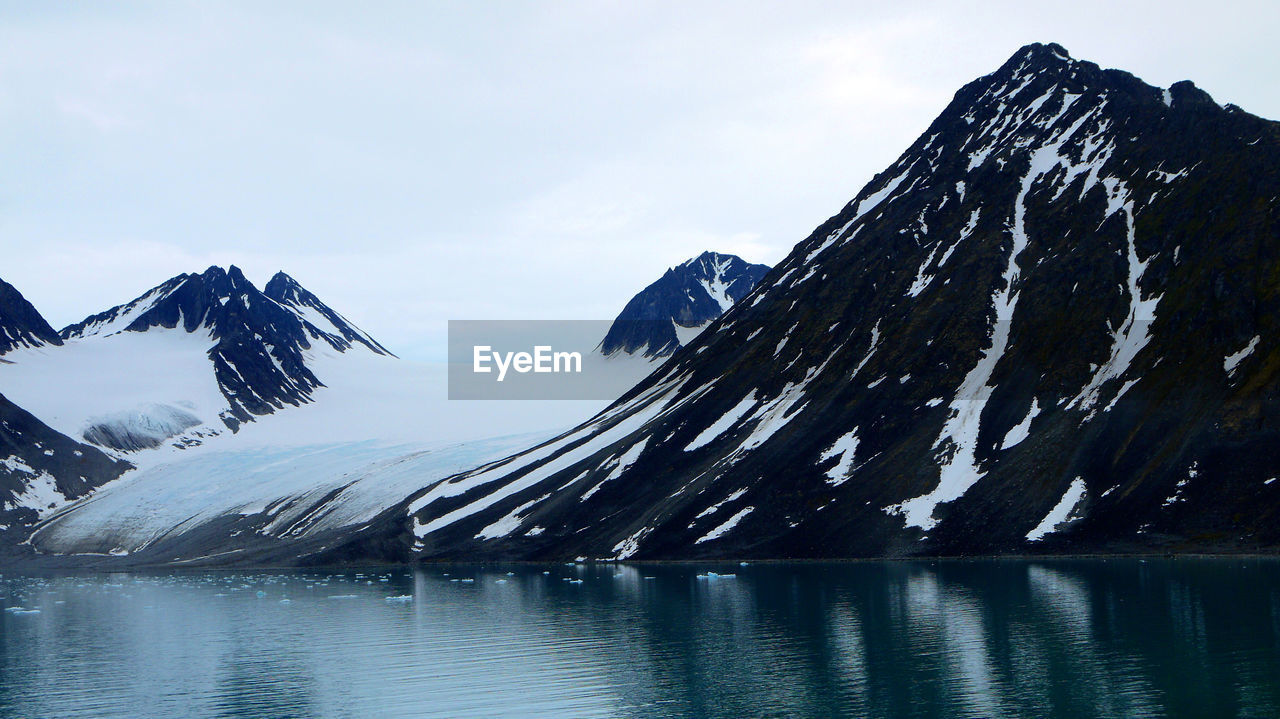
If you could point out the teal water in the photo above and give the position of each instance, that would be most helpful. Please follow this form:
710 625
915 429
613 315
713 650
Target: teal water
1069 638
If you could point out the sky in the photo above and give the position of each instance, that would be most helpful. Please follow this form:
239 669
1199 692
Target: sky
413 163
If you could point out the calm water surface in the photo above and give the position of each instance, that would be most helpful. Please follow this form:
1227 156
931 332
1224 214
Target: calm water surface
1071 638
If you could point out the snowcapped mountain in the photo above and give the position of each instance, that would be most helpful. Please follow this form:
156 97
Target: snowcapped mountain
190 358
669 313
158 381
1050 325
20 324
321 322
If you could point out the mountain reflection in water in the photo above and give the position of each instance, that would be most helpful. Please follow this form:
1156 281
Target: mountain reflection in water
1008 638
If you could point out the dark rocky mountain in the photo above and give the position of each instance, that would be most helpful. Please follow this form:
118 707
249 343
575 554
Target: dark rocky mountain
259 338
664 316
340 333
41 468
1049 326
20 324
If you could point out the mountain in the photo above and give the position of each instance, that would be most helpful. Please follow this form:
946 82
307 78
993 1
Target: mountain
322 322
187 360
20 324
667 314
1049 326
41 469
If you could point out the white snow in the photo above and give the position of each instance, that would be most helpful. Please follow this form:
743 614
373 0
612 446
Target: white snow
510 522
729 524
958 467
1135 331
1232 362
871 349
1061 511
717 287
645 408
845 448
685 335
127 313
620 465
722 425
774 415
869 203
144 380
287 483
1022 430
716 507
629 546
41 490
965 232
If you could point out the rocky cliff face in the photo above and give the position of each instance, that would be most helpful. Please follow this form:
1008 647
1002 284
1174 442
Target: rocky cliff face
1049 326
21 325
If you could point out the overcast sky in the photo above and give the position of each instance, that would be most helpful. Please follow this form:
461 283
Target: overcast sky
412 163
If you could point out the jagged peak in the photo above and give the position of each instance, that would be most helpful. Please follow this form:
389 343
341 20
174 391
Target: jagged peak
281 287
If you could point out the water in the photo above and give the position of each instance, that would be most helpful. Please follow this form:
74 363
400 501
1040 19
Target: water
1071 638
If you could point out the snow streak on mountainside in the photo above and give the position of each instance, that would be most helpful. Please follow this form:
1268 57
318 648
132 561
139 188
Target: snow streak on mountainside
669 313
1050 325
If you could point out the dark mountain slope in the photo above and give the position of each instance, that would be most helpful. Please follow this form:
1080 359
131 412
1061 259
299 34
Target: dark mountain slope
20 323
1049 326
323 323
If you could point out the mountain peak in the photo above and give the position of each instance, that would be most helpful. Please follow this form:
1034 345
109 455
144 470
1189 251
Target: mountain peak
282 286
1044 51
21 325
667 314
338 330
259 338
